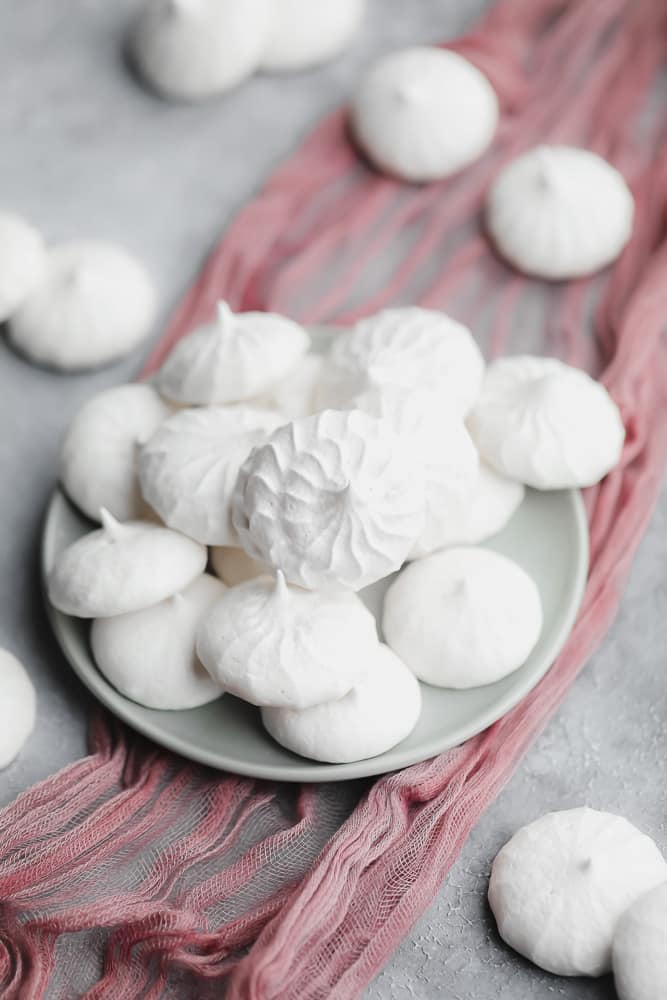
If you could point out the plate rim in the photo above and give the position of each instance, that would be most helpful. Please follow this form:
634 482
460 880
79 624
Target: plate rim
313 771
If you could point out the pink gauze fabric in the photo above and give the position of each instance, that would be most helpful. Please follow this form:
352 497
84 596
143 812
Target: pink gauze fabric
133 873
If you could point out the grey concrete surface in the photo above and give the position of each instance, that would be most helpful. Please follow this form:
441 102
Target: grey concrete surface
85 152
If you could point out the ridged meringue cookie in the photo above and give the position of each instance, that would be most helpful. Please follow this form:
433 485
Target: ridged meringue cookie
237 357
423 113
22 257
123 567
272 644
304 33
444 448
380 711
188 468
463 617
546 424
333 500
17 707
93 304
98 458
557 212
150 656
639 952
408 347
295 394
192 49
234 565
560 885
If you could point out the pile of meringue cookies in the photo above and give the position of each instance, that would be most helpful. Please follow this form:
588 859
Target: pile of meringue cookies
305 479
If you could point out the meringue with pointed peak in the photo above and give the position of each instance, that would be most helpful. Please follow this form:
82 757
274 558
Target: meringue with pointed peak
93 304
380 711
295 394
305 34
272 644
557 212
489 508
234 565
17 707
335 500
423 113
413 348
238 357
150 656
98 459
445 449
193 49
546 424
462 618
22 257
188 468
560 885
123 567
639 956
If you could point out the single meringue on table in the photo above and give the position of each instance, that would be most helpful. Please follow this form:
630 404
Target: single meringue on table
123 567
150 656
335 501
444 448
93 304
188 468
417 349
557 212
237 357
22 258
192 49
272 644
423 113
304 33
546 424
463 617
380 711
234 565
17 707
639 952
560 885
98 458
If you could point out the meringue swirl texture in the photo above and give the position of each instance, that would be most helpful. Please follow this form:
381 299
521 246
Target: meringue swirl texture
333 500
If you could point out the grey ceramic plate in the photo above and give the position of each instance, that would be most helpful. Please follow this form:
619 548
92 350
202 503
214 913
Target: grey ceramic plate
547 536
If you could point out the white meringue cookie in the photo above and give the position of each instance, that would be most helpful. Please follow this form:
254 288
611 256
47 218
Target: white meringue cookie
98 459
463 617
93 304
123 567
235 566
17 707
192 49
295 395
271 644
558 212
236 358
491 504
188 468
422 113
22 258
546 424
305 34
333 500
560 885
639 952
409 347
149 655
381 710
444 448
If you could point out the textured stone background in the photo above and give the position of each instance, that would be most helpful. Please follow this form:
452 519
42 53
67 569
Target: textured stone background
85 152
